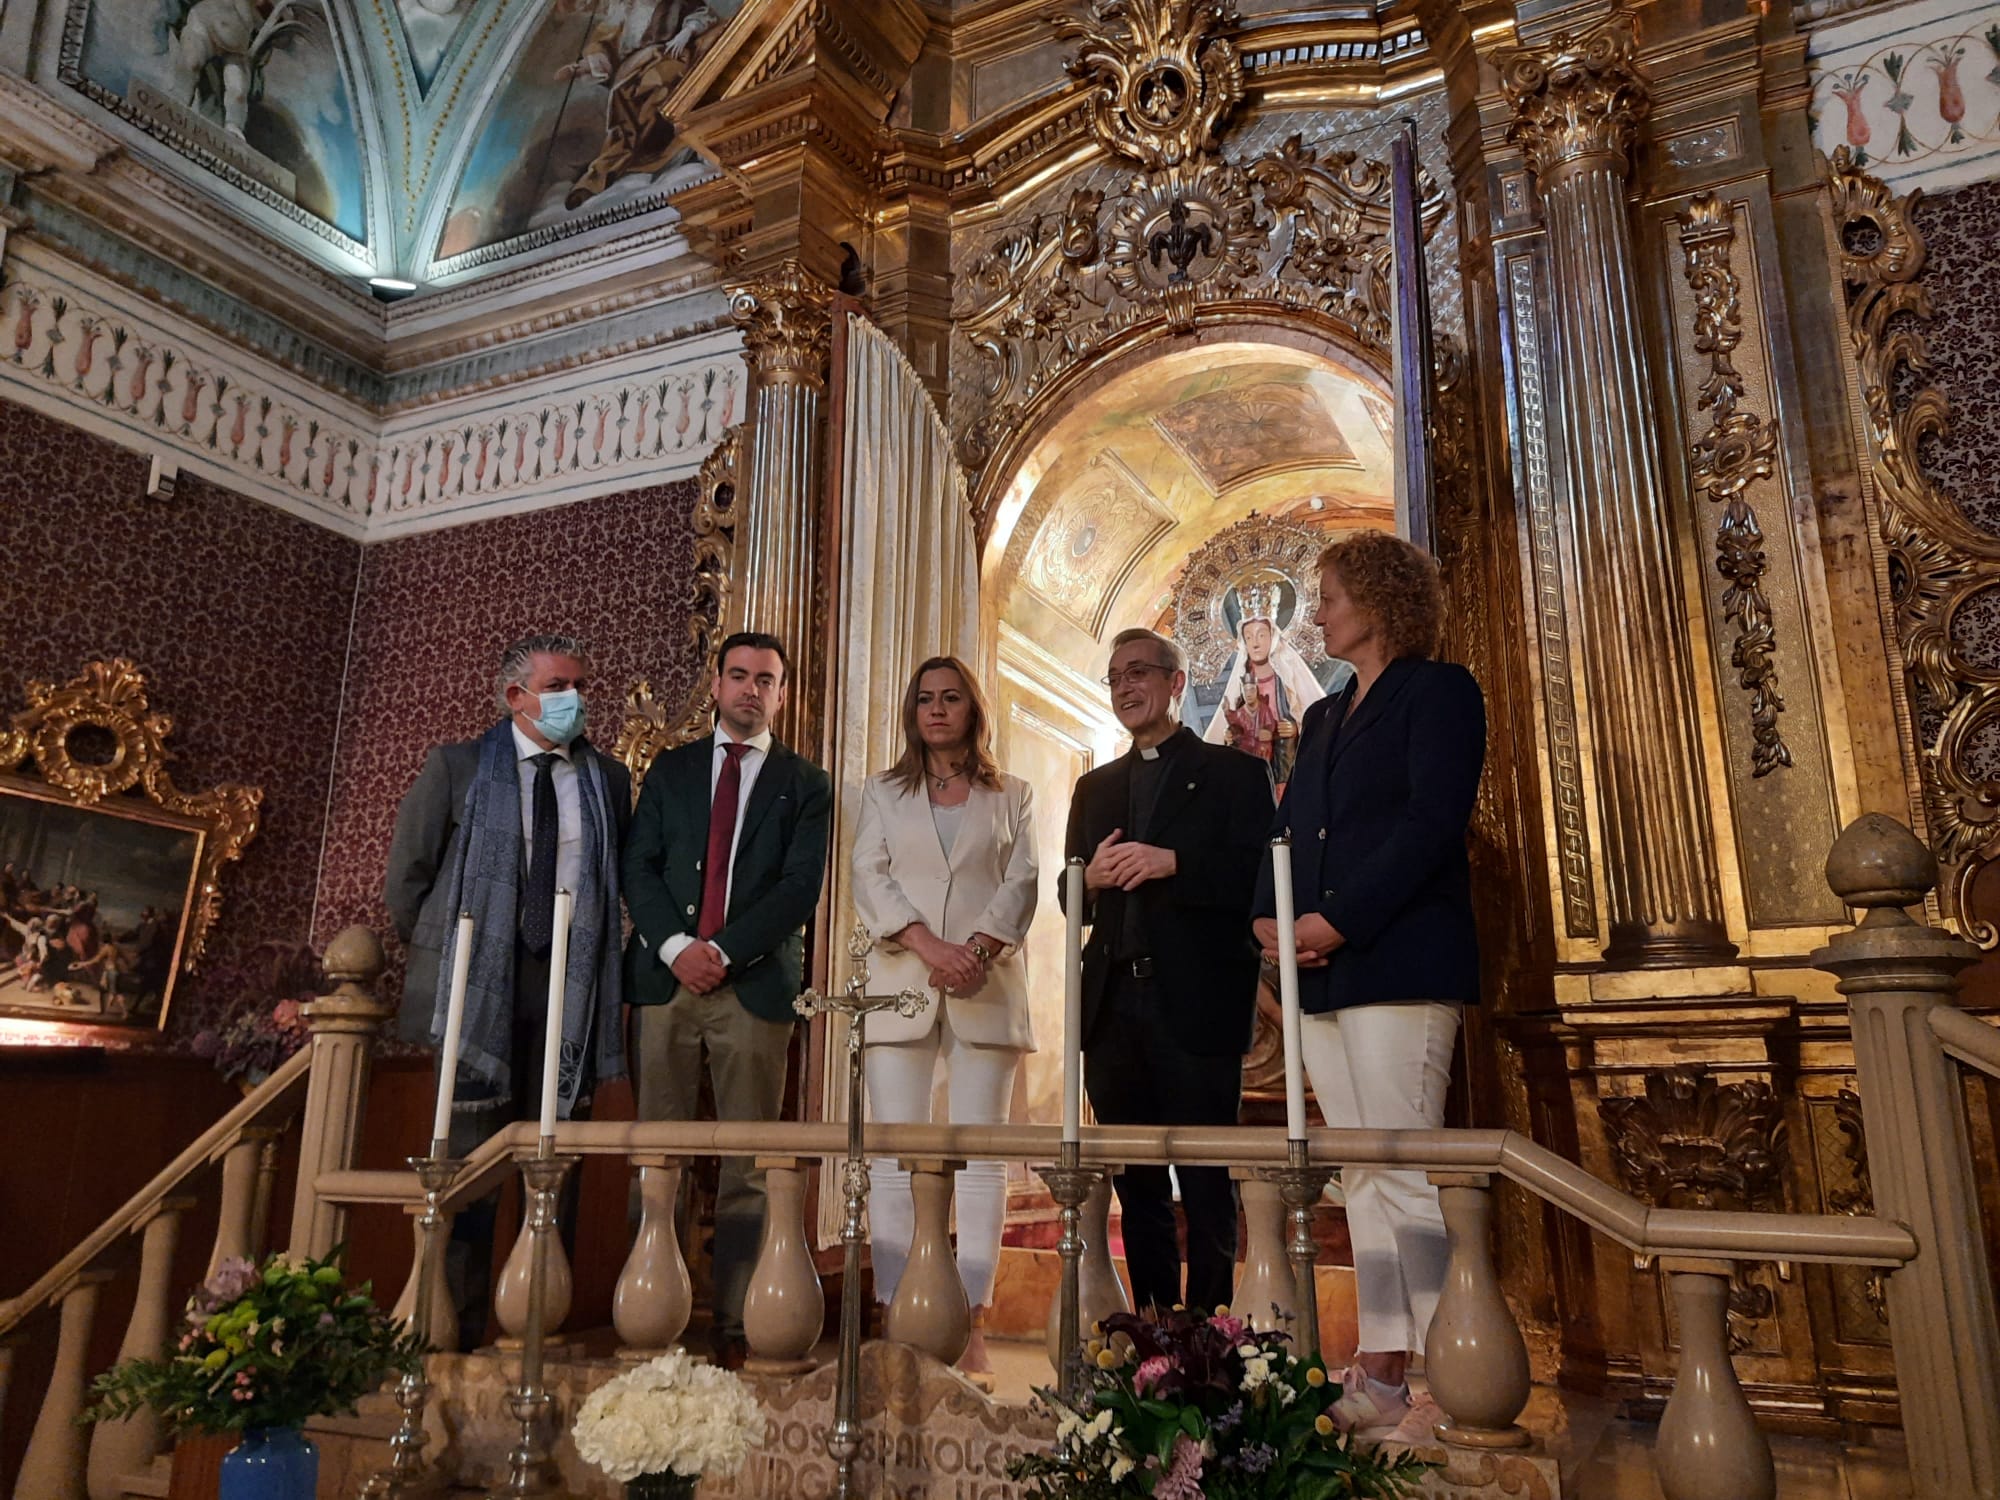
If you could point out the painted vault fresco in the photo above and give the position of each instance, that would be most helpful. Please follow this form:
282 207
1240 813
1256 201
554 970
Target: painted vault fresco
429 29
577 129
252 88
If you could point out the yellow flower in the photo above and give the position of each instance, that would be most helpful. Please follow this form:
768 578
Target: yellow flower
1094 1348
1323 1425
1107 1359
1222 1309
1315 1376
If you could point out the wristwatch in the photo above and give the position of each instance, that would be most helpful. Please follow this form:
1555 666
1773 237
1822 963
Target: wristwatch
981 952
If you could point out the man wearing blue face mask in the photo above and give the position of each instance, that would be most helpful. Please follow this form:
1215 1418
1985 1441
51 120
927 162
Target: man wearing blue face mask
495 826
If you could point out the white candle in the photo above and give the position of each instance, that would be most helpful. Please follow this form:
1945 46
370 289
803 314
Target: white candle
1288 990
1073 1004
552 1043
454 1021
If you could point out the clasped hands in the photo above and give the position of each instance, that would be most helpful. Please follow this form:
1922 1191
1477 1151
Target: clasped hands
955 968
1127 866
1315 936
700 968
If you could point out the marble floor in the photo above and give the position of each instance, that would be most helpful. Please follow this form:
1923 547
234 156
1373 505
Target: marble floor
1603 1456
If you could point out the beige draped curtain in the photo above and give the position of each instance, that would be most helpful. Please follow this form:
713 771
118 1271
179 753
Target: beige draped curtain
909 589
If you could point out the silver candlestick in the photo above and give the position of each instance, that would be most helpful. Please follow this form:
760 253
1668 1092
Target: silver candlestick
843 1441
531 1466
1070 1184
408 1475
1300 1185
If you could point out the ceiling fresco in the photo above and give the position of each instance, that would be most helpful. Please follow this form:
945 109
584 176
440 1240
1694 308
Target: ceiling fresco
418 139
255 89
577 129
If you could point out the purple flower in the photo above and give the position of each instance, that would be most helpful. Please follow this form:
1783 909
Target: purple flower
1230 1420
1257 1458
1182 1481
205 1044
231 1280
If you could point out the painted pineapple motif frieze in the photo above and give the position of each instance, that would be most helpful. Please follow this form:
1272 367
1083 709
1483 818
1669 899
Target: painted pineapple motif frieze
1173 231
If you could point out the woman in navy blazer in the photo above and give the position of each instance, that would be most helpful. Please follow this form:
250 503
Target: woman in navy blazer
1376 809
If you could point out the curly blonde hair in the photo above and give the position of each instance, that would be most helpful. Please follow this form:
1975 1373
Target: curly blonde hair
1395 584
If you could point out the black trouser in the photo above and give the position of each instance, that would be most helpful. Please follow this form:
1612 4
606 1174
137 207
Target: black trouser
1137 1072
469 1257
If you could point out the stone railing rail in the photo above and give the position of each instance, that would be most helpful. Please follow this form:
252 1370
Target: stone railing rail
1899 975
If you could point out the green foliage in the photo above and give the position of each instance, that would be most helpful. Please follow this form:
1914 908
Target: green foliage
263 1346
1188 1407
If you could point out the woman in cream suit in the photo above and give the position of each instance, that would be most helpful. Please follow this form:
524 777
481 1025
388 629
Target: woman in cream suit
944 877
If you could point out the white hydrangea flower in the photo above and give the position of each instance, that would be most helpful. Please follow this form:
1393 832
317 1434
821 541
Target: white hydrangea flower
1120 1467
669 1414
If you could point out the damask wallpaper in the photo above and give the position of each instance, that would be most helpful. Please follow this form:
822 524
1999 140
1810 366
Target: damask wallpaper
1960 230
240 616
236 612
433 613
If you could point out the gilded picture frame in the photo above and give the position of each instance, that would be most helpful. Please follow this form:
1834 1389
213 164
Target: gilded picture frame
110 873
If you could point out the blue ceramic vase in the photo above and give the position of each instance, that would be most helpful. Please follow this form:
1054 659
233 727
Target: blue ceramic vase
271 1463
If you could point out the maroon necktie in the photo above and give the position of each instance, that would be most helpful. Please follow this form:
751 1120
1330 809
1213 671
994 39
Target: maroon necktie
721 834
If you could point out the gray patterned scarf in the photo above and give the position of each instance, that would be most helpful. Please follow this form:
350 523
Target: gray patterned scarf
485 879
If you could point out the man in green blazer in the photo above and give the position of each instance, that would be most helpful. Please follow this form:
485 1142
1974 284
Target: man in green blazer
723 867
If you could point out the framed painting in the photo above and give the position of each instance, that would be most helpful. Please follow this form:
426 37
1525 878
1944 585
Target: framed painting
108 870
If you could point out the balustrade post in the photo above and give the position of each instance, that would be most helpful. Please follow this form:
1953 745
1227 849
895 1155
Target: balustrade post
784 1309
513 1297
1709 1443
442 1334
1267 1291
1474 1356
1942 1323
344 1027
236 1221
121 1449
52 1468
930 1310
654 1298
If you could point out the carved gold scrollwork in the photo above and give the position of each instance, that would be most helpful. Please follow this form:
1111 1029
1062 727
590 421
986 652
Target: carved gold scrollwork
1738 449
1690 1142
1938 559
107 702
1581 96
649 728
1161 73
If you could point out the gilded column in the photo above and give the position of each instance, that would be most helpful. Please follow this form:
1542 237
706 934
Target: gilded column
1577 104
787 325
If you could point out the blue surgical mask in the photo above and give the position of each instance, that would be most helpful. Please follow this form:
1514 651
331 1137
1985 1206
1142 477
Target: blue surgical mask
562 716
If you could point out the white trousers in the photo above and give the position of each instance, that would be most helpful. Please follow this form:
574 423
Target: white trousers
979 1091
1387 1067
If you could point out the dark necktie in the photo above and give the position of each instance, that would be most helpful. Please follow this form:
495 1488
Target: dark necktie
721 834
538 900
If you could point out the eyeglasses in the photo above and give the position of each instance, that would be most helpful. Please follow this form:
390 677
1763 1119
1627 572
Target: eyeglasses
1136 675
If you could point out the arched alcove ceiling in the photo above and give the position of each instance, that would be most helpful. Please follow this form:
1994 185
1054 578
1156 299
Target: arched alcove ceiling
1138 474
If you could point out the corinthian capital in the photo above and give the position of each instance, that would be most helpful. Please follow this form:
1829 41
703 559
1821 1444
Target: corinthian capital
786 321
1579 97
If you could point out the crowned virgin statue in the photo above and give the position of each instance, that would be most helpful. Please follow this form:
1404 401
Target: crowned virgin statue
1267 690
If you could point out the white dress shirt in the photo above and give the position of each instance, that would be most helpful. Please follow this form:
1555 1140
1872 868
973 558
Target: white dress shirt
569 811
751 764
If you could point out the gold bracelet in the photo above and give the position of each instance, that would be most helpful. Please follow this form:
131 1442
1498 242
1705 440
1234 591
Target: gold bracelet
981 952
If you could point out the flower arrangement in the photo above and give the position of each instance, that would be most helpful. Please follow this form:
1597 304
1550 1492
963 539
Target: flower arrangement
255 1039
669 1416
263 1346
1189 1407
